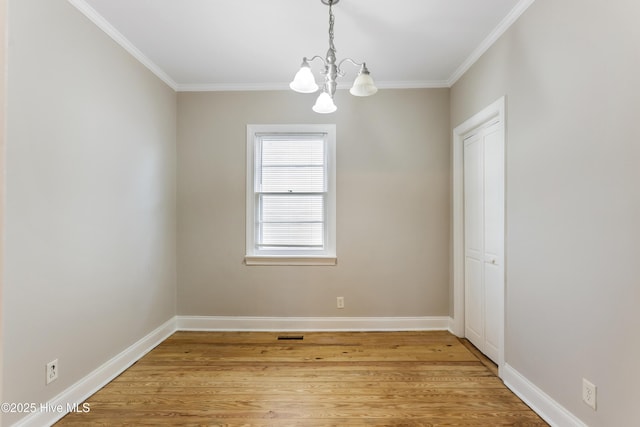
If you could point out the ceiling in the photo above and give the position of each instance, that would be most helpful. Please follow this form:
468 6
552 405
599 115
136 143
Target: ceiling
259 44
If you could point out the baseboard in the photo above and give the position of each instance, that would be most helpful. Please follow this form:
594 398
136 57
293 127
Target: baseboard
550 410
97 379
328 324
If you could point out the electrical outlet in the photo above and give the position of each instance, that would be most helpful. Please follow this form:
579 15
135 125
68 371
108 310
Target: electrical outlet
52 371
589 393
340 302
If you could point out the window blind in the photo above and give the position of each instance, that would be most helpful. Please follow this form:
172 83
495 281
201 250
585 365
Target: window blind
291 186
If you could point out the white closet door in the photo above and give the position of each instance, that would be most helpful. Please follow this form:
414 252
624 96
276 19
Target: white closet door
484 239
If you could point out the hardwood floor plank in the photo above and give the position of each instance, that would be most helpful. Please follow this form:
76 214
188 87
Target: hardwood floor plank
470 420
326 379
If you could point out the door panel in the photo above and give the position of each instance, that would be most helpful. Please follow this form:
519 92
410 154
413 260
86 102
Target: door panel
493 240
493 196
473 201
474 294
492 310
474 252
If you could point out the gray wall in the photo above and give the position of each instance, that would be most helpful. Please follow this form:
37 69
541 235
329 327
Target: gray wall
392 207
90 200
569 69
3 100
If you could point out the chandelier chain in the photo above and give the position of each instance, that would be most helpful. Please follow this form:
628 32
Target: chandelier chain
331 22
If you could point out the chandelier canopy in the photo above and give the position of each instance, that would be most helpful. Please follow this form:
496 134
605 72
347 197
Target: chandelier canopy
304 80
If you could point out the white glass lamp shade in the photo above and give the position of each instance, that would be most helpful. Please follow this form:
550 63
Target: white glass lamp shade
363 85
324 104
304 82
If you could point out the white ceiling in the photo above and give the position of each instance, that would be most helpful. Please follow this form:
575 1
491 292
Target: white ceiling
259 44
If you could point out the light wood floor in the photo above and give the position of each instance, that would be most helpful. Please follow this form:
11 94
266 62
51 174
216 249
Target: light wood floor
326 379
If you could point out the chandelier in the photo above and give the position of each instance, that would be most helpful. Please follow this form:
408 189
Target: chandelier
304 81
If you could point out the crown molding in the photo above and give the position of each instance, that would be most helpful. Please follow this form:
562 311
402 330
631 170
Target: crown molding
424 84
242 87
502 27
230 87
105 26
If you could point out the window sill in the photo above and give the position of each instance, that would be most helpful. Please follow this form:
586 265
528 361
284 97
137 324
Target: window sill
289 260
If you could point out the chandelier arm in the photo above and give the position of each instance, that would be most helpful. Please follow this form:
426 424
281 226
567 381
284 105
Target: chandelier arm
357 64
324 62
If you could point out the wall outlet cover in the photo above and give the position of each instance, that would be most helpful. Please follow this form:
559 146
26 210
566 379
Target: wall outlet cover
589 393
52 371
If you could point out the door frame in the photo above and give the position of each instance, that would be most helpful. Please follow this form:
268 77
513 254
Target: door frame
491 112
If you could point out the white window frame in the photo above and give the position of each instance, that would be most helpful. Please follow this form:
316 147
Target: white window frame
325 256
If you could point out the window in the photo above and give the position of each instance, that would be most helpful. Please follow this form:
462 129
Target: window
291 195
